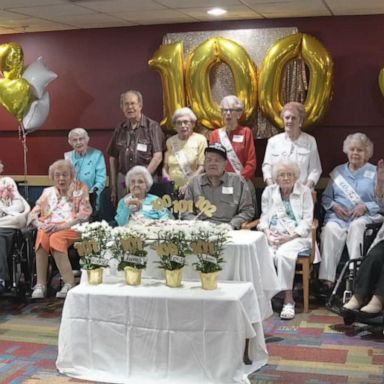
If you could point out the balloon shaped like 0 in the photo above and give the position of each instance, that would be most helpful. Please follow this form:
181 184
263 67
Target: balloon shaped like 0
37 114
381 81
11 60
199 64
39 76
168 60
320 65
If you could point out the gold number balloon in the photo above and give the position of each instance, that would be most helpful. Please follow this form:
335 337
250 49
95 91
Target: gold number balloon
381 81
15 92
320 65
168 60
198 66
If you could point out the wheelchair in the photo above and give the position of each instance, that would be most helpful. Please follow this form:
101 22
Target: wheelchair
344 286
20 261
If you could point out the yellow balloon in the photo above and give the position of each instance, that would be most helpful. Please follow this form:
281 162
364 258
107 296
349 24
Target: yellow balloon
11 60
320 65
15 96
198 66
168 60
381 81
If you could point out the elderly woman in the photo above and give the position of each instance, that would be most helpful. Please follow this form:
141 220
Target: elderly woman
237 140
137 204
89 163
13 215
56 211
349 202
185 150
286 220
294 145
369 284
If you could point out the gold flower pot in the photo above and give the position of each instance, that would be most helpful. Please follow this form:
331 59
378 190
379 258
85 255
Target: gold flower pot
209 280
95 276
132 275
173 278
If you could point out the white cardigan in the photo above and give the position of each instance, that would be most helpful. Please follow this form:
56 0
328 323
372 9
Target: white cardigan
301 203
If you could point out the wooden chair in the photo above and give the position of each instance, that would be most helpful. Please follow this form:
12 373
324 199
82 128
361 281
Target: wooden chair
304 263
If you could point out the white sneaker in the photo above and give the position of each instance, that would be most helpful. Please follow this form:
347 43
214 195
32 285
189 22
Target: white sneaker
39 291
62 294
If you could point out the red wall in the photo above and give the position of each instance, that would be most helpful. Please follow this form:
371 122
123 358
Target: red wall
95 66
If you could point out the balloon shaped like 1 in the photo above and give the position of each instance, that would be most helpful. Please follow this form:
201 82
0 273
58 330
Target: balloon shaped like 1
37 114
320 65
381 81
168 60
39 76
199 64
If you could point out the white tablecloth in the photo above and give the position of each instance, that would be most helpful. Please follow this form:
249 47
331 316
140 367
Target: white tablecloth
155 334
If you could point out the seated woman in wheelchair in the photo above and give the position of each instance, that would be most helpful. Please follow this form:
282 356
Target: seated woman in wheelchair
349 202
13 216
286 220
137 204
368 295
56 211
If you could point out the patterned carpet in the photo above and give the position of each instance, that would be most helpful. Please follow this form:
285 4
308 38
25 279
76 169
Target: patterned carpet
314 348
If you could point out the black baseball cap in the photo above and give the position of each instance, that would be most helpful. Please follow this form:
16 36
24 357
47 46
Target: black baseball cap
217 148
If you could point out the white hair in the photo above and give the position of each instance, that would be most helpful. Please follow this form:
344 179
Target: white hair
77 132
233 101
139 169
182 112
285 164
361 138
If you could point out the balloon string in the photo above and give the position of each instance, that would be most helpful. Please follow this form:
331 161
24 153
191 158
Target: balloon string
23 137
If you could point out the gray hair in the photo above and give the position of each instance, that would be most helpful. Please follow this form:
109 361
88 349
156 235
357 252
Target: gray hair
77 132
361 138
182 112
297 107
286 164
61 164
233 101
136 93
139 169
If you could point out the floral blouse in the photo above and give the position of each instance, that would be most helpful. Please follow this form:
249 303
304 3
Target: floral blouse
53 208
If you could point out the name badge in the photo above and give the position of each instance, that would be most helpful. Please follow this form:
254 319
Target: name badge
238 138
147 208
227 191
141 147
369 174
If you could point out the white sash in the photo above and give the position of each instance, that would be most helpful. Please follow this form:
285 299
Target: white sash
345 187
231 154
181 158
281 213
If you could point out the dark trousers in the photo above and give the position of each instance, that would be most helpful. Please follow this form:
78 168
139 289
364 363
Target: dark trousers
370 277
6 241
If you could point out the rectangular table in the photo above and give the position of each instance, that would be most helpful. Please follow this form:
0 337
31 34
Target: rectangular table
247 258
155 334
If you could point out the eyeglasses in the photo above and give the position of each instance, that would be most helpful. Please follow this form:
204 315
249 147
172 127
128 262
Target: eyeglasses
230 110
286 174
183 122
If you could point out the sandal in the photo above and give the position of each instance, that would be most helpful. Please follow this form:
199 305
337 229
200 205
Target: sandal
288 311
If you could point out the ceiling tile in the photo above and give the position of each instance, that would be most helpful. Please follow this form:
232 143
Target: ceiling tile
114 6
52 10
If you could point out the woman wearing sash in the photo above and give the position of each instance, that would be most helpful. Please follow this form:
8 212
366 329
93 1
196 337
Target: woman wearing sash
286 219
184 158
294 145
237 140
349 202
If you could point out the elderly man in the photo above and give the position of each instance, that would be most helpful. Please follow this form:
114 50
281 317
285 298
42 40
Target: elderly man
228 191
136 141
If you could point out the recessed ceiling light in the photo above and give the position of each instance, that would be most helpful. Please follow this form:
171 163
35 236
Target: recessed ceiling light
216 11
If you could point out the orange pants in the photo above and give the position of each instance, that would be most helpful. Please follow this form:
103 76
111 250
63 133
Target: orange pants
59 241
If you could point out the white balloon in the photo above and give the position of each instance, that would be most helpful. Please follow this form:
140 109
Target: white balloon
37 114
39 76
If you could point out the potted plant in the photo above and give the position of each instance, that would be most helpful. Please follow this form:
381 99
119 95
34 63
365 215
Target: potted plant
172 246
208 244
92 249
128 247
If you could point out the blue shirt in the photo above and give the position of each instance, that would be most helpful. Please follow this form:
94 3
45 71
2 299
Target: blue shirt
90 169
123 213
363 181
